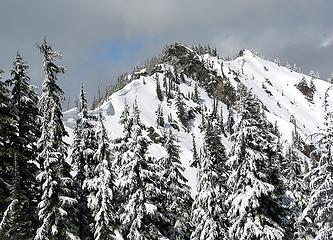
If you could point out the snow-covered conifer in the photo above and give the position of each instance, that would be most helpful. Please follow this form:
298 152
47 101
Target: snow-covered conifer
196 96
312 86
181 109
126 120
312 74
139 183
195 160
253 209
8 131
177 199
102 189
296 190
21 223
159 116
230 121
84 147
319 210
220 122
56 207
209 212
159 92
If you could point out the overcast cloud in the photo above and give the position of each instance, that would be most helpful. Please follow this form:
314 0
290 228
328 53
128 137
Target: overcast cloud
101 39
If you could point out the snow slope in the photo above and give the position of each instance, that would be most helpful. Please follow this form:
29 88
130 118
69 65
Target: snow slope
281 98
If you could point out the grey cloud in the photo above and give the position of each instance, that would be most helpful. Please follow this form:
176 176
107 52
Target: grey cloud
292 30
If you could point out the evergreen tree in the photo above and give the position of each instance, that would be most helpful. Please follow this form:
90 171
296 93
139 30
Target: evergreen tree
297 141
56 206
312 86
85 144
141 216
195 160
209 210
176 77
230 121
196 96
214 110
22 221
302 84
220 123
170 87
181 110
121 145
103 193
165 84
319 210
296 191
126 121
295 188
159 116
305 89
177 192
254 211
8 131
312 74
159 92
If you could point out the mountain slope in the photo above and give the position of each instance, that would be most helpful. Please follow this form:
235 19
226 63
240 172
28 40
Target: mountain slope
275 86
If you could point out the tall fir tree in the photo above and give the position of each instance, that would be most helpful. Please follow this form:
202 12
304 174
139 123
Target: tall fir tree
177 192
141 215
22 219
120 145
195 158
84 147
297 141
159 116
295 188
159 92
57 211
209 213
196 96
181 110
126 121
296 191
230 121
103 192
220 122
254 210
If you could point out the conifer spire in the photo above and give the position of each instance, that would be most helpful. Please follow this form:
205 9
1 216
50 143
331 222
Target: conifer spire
56 206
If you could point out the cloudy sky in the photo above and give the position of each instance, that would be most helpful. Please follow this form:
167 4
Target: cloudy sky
102 38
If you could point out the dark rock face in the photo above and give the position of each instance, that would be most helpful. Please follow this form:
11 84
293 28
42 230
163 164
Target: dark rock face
189 63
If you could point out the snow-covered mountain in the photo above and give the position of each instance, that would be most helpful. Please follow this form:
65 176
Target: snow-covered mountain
277 87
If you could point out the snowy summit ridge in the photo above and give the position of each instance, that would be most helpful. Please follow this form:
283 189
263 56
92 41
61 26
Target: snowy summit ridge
273 84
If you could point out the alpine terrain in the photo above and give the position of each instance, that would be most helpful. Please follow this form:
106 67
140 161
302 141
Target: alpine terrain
190 146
